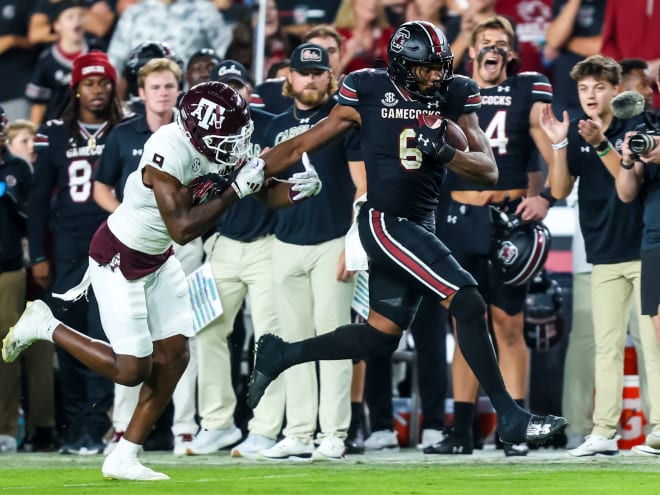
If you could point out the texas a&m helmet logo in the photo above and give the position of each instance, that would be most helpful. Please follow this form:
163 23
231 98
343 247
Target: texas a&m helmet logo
208 114
399 38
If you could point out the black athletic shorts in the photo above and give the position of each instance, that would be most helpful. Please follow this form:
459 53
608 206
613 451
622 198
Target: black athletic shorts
407 261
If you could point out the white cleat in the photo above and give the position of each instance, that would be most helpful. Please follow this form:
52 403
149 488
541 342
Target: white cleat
30 327
129 469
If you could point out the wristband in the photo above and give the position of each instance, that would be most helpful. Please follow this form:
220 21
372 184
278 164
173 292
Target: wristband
625 166
604 145
547 195
607 149
561 144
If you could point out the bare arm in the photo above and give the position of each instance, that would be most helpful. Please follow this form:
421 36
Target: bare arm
585 45
478 164
105 197
559 31
629 181
184 221
9 41
285 154
561 181
39 30
99 19
37 113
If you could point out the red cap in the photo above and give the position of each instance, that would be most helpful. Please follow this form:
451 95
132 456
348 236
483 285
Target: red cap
92 64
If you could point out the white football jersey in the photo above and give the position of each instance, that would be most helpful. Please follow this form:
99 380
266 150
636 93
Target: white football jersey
137 222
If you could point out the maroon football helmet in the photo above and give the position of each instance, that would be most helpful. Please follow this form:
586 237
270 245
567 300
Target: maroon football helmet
216 120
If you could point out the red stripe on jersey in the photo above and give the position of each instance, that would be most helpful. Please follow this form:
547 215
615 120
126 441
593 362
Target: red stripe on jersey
41 139
348 93
433 35
542 87
473 100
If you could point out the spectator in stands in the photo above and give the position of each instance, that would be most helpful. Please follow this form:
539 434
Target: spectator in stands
366 32
612 232
186 26
17 56
20 139
199 66
48 90
98 21
635 76
573 34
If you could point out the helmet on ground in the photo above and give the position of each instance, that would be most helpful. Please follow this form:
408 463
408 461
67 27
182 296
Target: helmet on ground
418 43
519 249
544 325
216 120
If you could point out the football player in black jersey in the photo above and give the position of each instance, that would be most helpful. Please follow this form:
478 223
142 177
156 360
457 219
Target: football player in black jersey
509 115
68 152
406 163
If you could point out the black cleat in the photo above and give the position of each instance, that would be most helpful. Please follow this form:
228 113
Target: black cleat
267 366
451 444
515 449
540 429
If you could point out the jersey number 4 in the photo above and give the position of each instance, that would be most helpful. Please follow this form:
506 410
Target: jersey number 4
496 132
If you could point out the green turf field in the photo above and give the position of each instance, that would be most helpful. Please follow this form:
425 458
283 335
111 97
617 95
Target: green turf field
410 472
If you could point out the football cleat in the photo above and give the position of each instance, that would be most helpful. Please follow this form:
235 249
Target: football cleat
451 444
540 429
268 365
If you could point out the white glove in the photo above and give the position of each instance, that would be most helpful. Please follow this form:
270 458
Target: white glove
304 184
250 178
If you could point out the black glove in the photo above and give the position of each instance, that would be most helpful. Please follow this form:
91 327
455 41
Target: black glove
207 187
431 142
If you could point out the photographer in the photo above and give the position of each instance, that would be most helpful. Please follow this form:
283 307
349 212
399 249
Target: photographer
588 148
640 177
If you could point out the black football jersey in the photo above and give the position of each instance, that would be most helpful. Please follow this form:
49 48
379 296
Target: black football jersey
400 180
504 118
61 194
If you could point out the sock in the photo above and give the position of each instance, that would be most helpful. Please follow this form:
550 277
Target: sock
126 449
468 308
463 418
357 340
50 327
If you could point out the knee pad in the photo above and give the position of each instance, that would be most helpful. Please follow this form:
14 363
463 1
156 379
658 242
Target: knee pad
380 343
468 304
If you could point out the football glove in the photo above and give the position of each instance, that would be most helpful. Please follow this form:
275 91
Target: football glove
431 142
305 184
207 187
250 178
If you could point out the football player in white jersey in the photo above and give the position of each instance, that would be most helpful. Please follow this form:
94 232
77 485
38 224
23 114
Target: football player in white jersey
180 187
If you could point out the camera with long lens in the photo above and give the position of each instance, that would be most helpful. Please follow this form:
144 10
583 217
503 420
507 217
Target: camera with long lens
642 142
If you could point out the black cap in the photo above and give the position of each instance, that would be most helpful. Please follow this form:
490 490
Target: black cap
230 70
54 9
205 52
309 56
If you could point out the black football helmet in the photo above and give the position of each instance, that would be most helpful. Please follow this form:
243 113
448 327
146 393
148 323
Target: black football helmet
544 325
519 249
216 120
140 55
418 43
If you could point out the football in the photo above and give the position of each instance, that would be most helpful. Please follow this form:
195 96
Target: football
454 135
